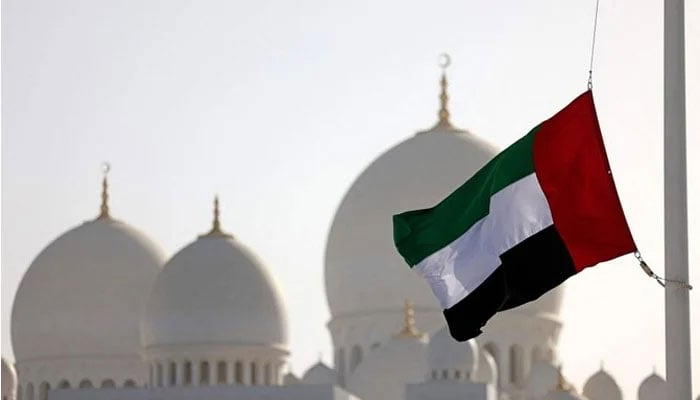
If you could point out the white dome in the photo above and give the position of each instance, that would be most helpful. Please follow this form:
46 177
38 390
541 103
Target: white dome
385 371
83 294
363 271
9 380
602 386
445 353
320 374
214 291
652 388
290 379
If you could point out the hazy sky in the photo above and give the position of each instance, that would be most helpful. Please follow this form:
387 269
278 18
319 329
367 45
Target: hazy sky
277 106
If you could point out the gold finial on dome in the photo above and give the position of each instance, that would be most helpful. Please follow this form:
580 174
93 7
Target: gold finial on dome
444 113
104 207
562 384
216 224
444 123
409 328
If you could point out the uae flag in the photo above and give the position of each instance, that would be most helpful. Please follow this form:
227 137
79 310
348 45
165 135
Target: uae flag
539 212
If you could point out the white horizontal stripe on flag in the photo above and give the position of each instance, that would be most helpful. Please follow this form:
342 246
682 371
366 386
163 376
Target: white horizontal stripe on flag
517 212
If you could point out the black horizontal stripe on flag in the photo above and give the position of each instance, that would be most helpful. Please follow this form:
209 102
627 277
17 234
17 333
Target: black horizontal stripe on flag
527 271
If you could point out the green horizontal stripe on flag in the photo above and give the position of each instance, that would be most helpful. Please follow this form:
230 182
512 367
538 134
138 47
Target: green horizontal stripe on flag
420 233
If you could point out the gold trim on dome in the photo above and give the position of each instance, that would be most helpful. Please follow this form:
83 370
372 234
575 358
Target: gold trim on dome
444 123
409 328
216 230
104 206
562 384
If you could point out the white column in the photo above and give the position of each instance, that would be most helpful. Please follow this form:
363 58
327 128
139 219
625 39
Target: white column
195 372
213 364
678 369
246 372
229 373
260 375
525 365
504 366
179 373
279 367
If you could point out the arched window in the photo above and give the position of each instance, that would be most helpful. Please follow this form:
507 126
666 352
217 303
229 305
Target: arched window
238 372
187 373
44 391
172 373
108 383
267 375
204 373
85 384
221 372
445 374
159 375
30 392
253 374
355 357
64 384
516 364
129 383
458 375
435 374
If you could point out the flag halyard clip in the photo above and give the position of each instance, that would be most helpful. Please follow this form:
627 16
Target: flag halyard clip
661 281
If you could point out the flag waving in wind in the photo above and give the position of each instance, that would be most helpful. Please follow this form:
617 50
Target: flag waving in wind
539 212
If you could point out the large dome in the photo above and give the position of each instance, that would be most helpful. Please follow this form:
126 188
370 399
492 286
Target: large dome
214 291
363 271
82 296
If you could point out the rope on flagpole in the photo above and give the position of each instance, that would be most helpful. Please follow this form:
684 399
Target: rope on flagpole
595 29
662 281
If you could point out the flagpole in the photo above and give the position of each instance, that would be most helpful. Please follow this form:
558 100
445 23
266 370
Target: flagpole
675 205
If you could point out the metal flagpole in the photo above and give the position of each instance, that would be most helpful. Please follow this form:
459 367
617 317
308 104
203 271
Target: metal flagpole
675 205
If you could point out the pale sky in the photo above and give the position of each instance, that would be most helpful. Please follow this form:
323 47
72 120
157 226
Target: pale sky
277 106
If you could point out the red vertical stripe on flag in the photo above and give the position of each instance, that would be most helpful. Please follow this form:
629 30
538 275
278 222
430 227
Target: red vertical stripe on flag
574 173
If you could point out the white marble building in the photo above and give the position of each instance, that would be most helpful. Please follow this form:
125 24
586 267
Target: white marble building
102 314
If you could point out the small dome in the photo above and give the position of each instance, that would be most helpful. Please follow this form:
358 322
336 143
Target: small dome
320 374
83 294
602 386
214 291
290 379
488 369
385 371
542 380
9 380
652 388
445 353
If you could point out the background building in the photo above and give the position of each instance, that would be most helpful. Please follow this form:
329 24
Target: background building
101 314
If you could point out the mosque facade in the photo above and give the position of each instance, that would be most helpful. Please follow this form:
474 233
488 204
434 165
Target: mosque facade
102 313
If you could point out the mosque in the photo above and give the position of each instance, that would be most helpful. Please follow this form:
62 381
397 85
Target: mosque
103 314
